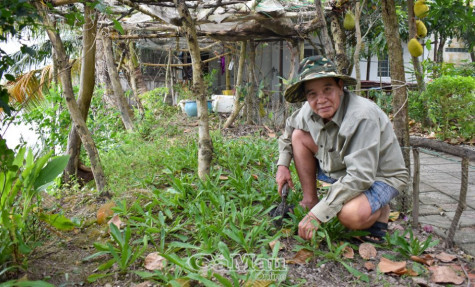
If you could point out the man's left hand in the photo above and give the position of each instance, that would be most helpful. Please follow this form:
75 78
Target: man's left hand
308 225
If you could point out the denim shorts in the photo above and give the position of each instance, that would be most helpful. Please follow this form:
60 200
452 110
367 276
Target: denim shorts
378 195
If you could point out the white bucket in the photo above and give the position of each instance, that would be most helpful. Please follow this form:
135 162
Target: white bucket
223 103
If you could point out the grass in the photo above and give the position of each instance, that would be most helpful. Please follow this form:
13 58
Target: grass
182 216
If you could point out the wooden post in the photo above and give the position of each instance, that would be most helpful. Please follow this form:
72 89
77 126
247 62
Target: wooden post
462 204
415 187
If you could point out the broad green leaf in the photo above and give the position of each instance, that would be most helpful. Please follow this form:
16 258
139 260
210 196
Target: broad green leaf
51 170
58 221
118 27
355 272
223 280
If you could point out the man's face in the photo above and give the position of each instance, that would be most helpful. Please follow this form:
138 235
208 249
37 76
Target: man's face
324 96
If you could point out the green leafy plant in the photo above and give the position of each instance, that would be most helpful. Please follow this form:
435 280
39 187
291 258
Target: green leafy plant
124 254
451 103
22 178
410 247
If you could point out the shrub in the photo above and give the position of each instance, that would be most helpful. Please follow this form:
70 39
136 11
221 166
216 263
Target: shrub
451 106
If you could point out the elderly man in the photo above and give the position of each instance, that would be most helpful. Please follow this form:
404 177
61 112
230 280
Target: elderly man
343 139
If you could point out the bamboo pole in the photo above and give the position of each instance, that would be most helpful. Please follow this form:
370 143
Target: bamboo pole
415 188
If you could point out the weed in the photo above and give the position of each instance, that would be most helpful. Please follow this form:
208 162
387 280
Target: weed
412 246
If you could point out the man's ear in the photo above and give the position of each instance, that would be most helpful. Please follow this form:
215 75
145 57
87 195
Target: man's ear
341 84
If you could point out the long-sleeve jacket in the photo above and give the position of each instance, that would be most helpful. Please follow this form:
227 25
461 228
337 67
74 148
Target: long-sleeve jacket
357 147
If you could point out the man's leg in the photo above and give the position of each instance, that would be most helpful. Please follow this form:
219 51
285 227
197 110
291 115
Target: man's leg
304 150
356 213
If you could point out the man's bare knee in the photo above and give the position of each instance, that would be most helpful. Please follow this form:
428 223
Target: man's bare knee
355 213
303 138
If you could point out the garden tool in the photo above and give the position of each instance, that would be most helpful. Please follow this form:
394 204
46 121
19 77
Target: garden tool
282 209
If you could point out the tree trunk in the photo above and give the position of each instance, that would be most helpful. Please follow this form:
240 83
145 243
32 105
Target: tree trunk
415 60
398 82
339 38
251 99
87 83
136 78
205 145
65 74
326 41
440 50
136 72
124 108
238 106
356 56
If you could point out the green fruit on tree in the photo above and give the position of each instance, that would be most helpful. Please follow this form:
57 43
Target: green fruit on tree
421 29
349 22
414 47
420 8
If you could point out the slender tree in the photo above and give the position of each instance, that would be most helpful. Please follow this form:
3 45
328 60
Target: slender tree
398 82
64 69
87 82
205 145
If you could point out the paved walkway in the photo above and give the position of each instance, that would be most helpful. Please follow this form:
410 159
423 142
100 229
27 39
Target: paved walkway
439 193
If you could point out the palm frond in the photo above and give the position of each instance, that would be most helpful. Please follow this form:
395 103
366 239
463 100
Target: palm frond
26 91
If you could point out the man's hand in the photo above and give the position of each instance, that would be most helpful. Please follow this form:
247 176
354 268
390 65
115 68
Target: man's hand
308 225
282 177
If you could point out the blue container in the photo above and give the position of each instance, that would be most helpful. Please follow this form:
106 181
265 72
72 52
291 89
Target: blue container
191 109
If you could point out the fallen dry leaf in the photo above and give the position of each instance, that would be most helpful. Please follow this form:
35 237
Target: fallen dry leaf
393 216
446 258
223 177
406 271
445 274
287 232
389 266
426 259
301 257
369 266
271 135
154 261
348 252
183 282
104 212
367 251
258 283
115 220
431 135
274 242
255 176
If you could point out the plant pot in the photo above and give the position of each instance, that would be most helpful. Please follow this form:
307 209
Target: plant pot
191 108
223 104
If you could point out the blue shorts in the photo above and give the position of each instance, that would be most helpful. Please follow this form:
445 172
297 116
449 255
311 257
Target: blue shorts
379 194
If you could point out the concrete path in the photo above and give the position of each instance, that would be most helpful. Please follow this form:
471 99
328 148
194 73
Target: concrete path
439 193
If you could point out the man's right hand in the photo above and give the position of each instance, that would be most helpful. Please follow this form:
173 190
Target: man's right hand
282 177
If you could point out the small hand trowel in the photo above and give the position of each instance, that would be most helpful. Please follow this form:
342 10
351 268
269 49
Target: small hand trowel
281 209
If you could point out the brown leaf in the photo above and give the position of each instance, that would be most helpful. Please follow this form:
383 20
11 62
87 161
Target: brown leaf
367 251
287 232
115 220
444 257
271 135
104 212
426 259
387 266
154 261
274 242
445 274
369 266
301 257
393 216
255 176
348 252
223 177
258 283
183 282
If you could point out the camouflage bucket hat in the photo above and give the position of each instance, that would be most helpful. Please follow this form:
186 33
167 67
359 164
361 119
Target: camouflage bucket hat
310 68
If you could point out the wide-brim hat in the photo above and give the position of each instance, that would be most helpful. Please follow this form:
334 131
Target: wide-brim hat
314 67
